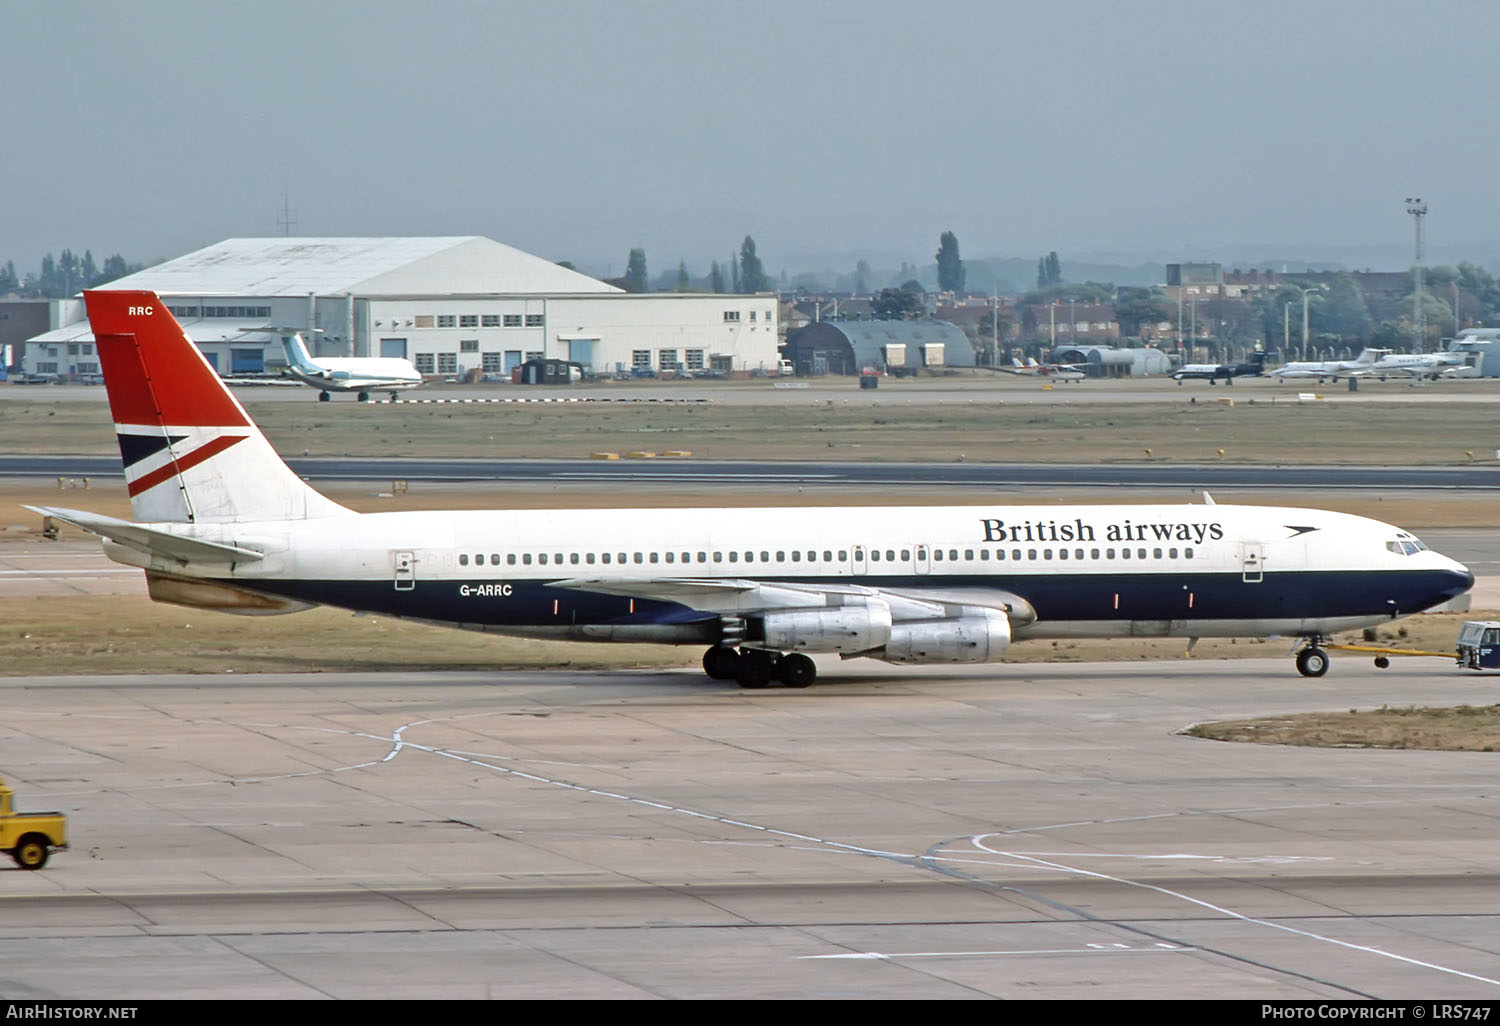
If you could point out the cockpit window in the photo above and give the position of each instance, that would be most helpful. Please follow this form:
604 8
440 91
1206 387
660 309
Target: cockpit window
1405 545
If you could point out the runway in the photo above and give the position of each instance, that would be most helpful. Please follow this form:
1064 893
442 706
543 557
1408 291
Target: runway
1035 831
675 472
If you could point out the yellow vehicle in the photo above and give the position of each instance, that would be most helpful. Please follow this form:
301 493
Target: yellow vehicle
28 837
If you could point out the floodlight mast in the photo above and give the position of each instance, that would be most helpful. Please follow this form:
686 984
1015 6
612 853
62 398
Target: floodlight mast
1418 210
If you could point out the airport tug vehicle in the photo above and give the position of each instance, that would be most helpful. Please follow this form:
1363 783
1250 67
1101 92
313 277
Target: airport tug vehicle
28 837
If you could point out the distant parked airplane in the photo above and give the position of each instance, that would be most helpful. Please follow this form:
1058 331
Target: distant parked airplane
1055 371
1417 365
1212 372
1325 370
362 374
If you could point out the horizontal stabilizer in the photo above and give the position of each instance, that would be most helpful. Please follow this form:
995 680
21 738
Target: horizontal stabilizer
149 540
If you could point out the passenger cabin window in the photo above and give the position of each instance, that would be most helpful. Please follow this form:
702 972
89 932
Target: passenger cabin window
463 559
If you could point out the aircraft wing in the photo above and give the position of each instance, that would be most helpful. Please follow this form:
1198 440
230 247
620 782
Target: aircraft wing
149 540
739 596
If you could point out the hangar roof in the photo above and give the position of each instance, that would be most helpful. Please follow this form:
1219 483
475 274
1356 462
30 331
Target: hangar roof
442 265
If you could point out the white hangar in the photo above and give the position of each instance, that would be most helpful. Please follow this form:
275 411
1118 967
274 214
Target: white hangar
449 304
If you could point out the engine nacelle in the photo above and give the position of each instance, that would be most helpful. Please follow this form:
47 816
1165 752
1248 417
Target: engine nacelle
979 636
851 628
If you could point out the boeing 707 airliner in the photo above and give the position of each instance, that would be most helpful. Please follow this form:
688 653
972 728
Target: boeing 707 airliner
220 522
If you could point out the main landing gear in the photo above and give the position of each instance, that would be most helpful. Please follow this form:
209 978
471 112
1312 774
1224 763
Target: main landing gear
1312 661
757 667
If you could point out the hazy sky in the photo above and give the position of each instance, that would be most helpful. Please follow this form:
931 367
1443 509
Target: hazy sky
576 130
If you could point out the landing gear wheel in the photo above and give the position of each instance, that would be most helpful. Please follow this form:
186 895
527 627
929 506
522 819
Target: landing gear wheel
1381 662
364 397
755 669
1312 662
31 853
323 397
721 663
797 670
394 397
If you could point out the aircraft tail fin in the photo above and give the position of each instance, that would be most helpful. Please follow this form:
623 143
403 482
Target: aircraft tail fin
191 452
297 354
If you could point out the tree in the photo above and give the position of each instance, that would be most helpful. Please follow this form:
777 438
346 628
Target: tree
716 278
635 271
861 278
752 272
1135 308
950 267
1048 271
683 281
898 304
1343 312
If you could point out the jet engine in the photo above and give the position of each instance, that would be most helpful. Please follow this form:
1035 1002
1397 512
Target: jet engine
847 628
979 635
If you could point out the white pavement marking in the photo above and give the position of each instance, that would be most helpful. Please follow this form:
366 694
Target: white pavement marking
978 842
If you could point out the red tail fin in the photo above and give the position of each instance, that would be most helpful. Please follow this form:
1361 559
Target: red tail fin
190 450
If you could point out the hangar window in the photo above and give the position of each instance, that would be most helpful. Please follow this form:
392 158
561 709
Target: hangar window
731 316
695 359
490 321
533 320
446 321
468 320
667 359
490 363
468 345
752 316
426 363
511 321
447 363
640 358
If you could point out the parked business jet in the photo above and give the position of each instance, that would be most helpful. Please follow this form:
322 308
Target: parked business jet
1326 370
222 523
1416 365
362 374
1251 368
